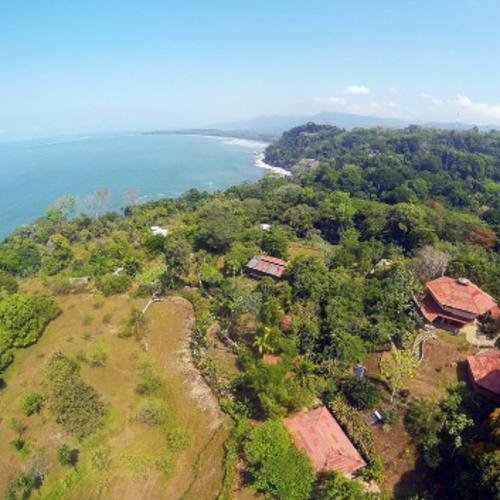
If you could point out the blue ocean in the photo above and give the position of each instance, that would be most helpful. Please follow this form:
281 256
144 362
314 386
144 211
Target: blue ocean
34 174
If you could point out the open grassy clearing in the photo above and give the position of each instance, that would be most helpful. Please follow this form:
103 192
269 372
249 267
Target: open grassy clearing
133 449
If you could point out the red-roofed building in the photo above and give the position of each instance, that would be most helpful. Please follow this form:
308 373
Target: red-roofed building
262 265
484 369
271 359
320 437
455 302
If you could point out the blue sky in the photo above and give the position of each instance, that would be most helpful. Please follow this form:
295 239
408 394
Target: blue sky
129 65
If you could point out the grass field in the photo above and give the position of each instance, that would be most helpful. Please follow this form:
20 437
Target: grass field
133 450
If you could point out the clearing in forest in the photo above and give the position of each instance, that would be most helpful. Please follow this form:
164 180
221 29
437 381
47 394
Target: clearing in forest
127 459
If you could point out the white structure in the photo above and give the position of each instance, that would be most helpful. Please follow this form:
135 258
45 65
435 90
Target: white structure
265 227
158 230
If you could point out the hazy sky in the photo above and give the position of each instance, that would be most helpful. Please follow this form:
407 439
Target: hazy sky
90 65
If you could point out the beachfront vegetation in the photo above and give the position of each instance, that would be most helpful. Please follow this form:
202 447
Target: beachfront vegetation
367 218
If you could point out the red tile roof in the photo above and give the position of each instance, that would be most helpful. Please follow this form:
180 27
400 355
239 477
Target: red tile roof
271 359
285 323
485 370
431 310
319 435
461 294
268 265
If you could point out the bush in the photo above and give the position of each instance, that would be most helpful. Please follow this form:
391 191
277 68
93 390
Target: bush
152 413
278 468
110 284
64 455
95 355
335 486
101 459
32 403
87 319
166 464
24 317
106 318
178 439
362 394
74 403
60 286
17 444
150 381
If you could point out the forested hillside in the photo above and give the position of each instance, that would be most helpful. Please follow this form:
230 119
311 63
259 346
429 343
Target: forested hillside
416 164
368 217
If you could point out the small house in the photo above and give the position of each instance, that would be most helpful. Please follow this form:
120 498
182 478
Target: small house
453 303
157 230
262 265
265 227
320 437
484 370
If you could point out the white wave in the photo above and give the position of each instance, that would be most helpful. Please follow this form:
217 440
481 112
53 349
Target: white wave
259 162
76 139
234 141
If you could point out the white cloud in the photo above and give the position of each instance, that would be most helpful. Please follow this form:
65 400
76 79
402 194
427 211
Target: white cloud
482 110
337 100
355 89
434 100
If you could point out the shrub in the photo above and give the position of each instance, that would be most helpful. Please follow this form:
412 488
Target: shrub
362 394
17 444
74 403
87 319
60 286
278 468
152 413
64 455
126 331
178 439
32 403
110 284
166 464
106 318
100 459
95 355
17 426
150 381
24 317
335 486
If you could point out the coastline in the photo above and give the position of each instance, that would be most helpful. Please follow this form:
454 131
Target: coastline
259 155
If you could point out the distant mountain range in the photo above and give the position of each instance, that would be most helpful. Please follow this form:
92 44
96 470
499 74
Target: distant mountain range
275 125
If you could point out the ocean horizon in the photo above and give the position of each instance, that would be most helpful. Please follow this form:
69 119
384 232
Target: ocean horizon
35 173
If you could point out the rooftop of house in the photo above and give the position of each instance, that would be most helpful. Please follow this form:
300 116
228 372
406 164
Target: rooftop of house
431 310
271 359
461 294
318 434
267 265
485 370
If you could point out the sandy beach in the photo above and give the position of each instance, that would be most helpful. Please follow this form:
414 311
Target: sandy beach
259 154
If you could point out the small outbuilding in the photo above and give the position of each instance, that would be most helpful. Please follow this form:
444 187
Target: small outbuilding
262 265
484 370
320 437
157 230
